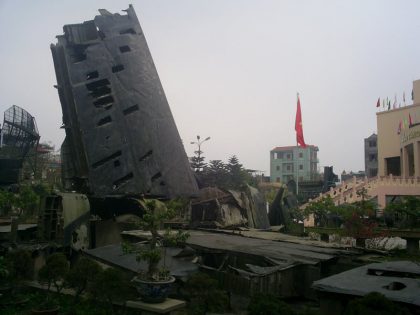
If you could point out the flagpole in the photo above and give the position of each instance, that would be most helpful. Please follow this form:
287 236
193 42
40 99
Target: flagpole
297 174
1 137
297 146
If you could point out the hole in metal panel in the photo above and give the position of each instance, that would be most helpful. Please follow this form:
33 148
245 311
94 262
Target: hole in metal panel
101 91
122 180
131 109
101 35
104 101
104 121
128 31
395 286
117 68
156 176
78 53
92 75
144 157
99 88
125 49
94 85
106 159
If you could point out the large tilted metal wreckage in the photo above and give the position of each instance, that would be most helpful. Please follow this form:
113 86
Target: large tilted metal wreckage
121 139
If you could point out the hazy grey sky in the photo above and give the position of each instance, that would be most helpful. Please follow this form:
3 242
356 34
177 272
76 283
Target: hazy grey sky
231 69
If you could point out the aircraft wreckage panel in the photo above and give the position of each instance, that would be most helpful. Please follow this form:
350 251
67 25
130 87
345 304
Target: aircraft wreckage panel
120 133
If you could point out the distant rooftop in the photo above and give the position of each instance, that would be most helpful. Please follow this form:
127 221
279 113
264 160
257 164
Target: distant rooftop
293 147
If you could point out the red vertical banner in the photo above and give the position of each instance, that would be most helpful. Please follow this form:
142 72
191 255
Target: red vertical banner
298 126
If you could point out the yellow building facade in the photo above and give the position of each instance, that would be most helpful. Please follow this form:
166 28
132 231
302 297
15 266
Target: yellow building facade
399 139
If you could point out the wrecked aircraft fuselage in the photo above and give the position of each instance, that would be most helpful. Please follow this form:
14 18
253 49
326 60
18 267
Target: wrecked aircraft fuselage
121 137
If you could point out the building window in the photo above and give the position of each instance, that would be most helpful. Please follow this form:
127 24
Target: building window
289 156
287 178
277 168
373 172
278 179
301 178
300 166
372 143
372 157
288 167
300 155
280 155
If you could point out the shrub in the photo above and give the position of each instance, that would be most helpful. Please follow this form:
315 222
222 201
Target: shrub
54 271
268 304
205 296
19 265
81 275
374 304
111 285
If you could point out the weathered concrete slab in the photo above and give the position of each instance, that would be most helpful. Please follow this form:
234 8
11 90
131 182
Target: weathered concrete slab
290 253
113 255
392 279
165 307
21 227
282 251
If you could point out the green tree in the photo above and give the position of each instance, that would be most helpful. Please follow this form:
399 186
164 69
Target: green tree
197 161
237 174
7 200
405 211
215 174
27 201
231 175
321 209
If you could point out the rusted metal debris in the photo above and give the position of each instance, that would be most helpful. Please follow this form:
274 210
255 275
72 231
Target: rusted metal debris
219 208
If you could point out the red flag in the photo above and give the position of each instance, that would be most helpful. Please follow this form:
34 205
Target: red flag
298 126
378 103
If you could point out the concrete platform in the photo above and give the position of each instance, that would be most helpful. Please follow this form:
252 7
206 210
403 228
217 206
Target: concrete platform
159 308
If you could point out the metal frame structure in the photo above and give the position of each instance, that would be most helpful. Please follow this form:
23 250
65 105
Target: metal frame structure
19 131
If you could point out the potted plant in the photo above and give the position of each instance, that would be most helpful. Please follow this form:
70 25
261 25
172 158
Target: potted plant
52 274
154 283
